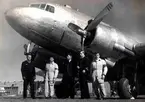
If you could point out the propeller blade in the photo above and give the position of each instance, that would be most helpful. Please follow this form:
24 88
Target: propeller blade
99 17
74 27
79 31
82 43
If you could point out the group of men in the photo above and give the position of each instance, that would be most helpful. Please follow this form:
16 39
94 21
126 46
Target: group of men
83 69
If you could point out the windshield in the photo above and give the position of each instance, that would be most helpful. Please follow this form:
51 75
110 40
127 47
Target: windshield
44 7
50 8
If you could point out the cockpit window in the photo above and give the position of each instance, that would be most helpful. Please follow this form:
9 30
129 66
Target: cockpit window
42 6
35 5
50 8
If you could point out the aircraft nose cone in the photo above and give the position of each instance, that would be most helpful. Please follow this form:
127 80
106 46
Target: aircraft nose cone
12 16
8 14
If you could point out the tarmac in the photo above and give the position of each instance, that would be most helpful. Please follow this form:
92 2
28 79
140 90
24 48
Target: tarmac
42 99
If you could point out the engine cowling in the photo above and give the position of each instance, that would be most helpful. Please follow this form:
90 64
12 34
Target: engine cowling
109 42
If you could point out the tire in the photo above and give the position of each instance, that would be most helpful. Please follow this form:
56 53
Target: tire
123 89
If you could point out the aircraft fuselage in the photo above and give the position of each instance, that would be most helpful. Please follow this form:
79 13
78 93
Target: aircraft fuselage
50 30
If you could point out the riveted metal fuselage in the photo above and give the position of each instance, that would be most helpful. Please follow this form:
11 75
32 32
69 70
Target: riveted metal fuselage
49 30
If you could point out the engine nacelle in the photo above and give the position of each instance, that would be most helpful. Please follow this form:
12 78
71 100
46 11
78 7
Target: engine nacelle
109 42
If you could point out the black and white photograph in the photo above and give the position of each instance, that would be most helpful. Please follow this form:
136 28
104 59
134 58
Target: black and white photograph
72 50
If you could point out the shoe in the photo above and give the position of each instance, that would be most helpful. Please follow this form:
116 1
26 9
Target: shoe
132 98
46 97
85 97
24 97
51 97
100 98
72 96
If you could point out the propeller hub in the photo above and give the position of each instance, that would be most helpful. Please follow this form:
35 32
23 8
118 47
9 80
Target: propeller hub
82 33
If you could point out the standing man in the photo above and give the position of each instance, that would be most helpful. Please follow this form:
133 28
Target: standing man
83 68
68 77
99 72
50 77
28 74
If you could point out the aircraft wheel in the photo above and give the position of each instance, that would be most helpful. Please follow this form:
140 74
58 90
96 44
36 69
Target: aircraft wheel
124 90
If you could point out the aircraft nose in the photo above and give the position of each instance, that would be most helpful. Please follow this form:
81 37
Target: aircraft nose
29 22
9 14
12 16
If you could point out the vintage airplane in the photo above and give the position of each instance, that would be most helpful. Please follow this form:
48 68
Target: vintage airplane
60 29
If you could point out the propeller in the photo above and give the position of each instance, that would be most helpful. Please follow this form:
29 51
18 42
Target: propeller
80 32
99 17
91 25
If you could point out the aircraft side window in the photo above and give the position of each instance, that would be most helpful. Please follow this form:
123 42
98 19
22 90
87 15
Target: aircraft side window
50 8
35 5
42 6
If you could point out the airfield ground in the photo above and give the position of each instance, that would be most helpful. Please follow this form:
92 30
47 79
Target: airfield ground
41 99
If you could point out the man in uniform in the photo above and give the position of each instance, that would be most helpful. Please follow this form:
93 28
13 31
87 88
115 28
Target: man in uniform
50 77
83 69
68 77
28 74
99 72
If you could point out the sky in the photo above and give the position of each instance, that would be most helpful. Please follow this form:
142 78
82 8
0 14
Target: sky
126 15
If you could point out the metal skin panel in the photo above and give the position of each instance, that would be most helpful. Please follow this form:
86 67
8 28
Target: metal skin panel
71 41
27 19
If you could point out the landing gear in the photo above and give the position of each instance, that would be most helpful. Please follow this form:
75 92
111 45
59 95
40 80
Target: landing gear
31 49
134 91
128 78
124 90
27 49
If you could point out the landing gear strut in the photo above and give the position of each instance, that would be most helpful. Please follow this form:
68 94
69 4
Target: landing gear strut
27 49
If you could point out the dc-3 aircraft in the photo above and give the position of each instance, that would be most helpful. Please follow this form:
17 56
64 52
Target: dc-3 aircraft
58 29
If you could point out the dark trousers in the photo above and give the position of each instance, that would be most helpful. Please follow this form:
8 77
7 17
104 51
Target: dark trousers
68 84
84 86
25 86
